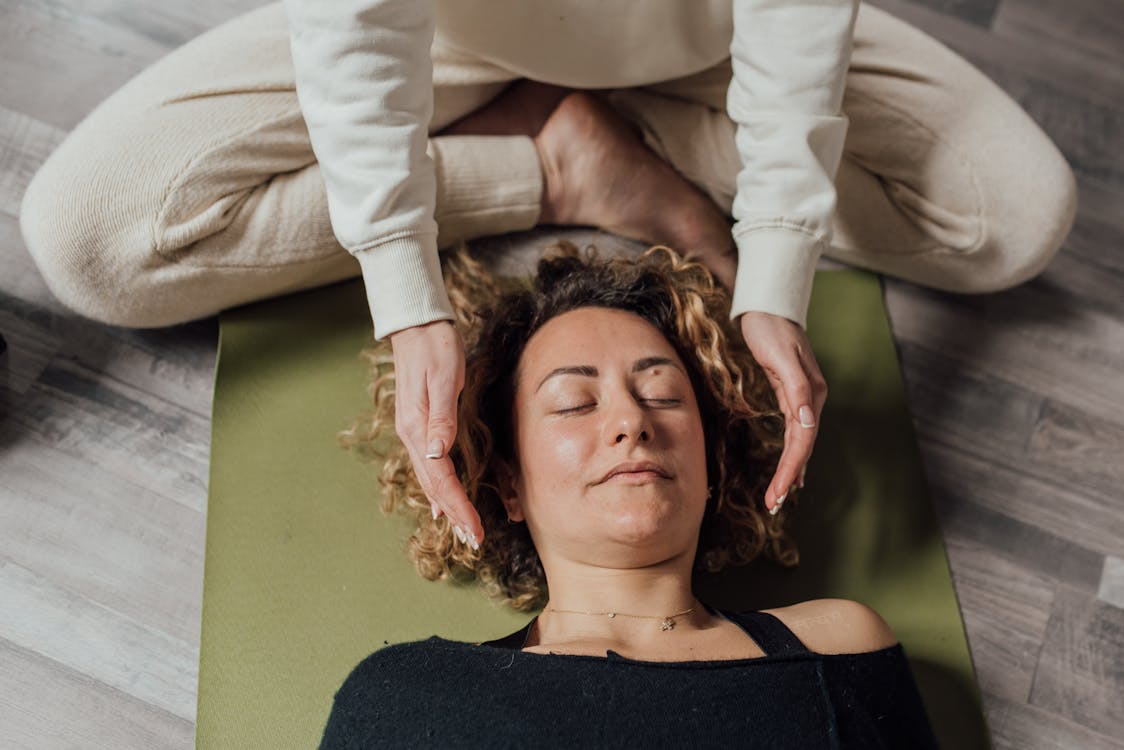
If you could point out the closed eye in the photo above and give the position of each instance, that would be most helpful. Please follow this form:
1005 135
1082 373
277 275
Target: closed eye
659 403
574 409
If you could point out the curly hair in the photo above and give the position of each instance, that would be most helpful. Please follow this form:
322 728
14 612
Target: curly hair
744 430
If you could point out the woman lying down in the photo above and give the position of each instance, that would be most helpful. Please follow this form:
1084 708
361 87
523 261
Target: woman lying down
612 442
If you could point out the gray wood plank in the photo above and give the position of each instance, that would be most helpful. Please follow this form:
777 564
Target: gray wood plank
1043 58
1081 672
31 346
1100 202
19 278
1079 448
978 12
25 143
1098 243
1111 587
174 365
127 433
47 706
1030 337
1038 551
1094 28
1091 266
83 60
1006 609
1053 509
119 544
1021 726
89 49
97 641
167 24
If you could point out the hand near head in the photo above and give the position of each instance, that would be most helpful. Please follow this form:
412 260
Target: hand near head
782 349
429 376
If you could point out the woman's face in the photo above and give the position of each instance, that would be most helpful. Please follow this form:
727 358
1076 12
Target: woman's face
612 461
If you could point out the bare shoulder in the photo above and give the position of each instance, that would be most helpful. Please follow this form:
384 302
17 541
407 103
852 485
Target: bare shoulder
836 626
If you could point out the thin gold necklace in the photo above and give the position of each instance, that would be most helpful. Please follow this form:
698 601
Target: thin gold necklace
667 622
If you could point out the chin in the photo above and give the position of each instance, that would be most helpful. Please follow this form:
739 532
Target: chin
639 519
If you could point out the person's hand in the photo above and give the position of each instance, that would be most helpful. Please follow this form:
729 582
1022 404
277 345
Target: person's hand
782 349
429 376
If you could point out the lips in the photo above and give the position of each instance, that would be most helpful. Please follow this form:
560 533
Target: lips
632 467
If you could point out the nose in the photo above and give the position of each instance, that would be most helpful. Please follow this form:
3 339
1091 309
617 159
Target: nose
627 422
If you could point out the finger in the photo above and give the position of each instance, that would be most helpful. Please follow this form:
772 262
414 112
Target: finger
446 485
439 482
819 397
782 404
423 479
441 430
815 376
799 436
410 416
788 466
441 421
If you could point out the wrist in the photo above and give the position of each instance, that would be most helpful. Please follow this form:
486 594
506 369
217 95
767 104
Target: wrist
420 328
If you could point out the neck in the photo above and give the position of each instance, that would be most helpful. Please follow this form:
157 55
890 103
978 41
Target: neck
656 592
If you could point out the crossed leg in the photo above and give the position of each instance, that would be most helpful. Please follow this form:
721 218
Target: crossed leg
194 188
945 181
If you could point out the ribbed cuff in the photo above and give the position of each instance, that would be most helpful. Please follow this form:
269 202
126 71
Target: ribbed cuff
404 283
776 267
486 184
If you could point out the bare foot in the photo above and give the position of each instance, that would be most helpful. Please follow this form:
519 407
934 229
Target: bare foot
521 109
599 173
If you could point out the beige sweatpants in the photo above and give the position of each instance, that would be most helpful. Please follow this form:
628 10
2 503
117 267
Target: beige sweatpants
194 187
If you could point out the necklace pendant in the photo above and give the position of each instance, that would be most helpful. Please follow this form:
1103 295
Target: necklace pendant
667 624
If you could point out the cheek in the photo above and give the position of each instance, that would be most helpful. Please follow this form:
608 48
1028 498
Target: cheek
694 437
554 458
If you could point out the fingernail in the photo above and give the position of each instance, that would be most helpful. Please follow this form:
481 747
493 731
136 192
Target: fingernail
436 449
777 507
460 534
800 482
807 419
472 541
433 510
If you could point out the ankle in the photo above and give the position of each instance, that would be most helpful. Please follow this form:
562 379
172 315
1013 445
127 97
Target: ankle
520 109
551 210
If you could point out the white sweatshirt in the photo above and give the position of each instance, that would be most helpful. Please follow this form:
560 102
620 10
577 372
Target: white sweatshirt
365 84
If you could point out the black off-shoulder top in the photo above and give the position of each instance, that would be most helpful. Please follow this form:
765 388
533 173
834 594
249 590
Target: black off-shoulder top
447 694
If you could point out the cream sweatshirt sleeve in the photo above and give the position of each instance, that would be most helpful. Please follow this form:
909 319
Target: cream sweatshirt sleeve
790 60
365 84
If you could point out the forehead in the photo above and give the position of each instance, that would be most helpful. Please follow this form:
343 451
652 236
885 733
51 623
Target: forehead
593 336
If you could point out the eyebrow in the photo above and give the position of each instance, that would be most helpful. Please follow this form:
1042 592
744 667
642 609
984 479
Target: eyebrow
590 371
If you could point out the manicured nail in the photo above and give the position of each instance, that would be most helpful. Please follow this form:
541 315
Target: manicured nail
777 506
472 541
433 510
436 449
807 419
800 481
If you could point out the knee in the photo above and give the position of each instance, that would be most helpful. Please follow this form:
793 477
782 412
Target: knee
1027 226
90 253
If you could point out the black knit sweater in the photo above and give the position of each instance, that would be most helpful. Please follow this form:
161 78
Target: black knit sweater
445 694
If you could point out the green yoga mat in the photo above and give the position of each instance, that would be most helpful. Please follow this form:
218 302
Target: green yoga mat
305 576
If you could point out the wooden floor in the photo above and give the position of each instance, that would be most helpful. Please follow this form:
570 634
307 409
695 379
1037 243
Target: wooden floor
1018 400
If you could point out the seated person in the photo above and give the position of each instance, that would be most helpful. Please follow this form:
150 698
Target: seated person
613 442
